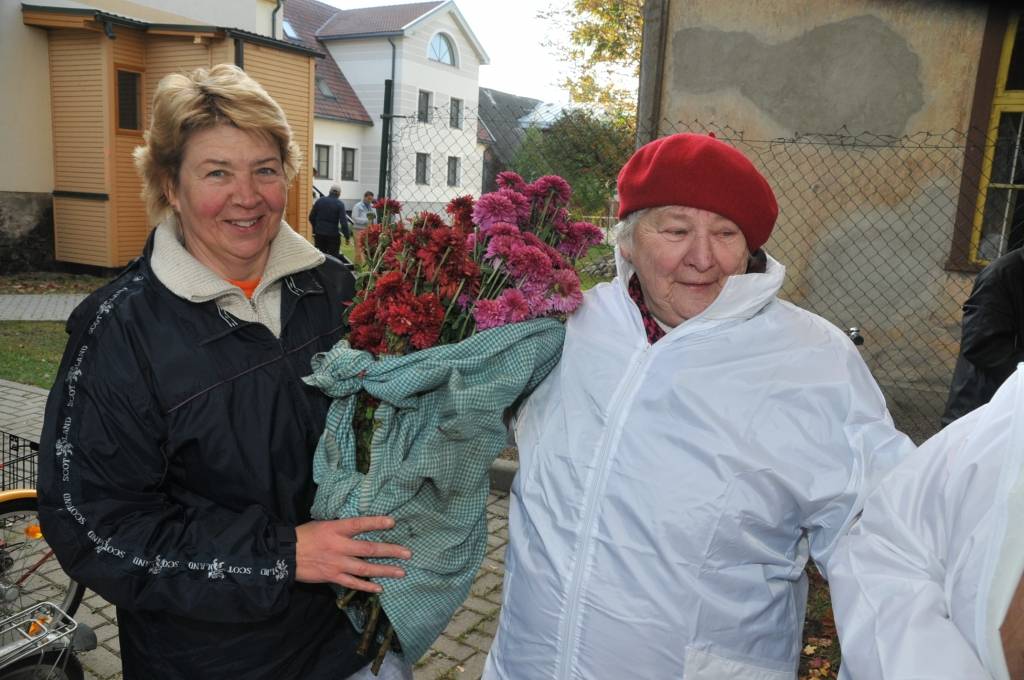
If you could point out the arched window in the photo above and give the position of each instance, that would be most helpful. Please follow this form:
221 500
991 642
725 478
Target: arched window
442 50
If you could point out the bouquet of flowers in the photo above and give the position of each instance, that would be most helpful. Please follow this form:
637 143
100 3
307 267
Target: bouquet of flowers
451 324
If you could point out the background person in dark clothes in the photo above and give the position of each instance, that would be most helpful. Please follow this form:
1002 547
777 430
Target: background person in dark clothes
992 340
329 222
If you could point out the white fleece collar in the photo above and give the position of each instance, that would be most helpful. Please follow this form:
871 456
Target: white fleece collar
188 278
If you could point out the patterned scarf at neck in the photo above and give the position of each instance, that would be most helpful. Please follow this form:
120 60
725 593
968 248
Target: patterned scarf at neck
654 331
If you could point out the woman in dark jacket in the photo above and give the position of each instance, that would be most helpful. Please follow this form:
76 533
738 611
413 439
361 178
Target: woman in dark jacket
175 474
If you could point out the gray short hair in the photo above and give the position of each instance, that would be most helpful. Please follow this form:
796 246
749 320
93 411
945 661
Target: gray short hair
624 229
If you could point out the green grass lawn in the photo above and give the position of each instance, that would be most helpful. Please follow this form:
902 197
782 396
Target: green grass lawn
30 351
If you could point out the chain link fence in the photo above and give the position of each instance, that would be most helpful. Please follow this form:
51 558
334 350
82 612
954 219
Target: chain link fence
876 232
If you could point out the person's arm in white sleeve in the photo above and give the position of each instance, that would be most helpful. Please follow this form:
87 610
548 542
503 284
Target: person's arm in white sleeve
888 578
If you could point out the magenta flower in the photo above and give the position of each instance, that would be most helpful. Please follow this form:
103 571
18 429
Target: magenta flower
501 247
511 180
503 229
497 206
529 263
552 185
515 305
488 314
566 295
579 237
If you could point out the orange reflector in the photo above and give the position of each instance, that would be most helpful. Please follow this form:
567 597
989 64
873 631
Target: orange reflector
33 531
37 626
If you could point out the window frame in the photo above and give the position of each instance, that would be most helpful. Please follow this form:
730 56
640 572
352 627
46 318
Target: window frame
323 88
1003 101
424 114
316 160
449 44
458 171
139 111
348 170
455 120
424 179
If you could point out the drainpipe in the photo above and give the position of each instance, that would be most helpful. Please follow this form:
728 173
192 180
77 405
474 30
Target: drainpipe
388 129
273 19
108 29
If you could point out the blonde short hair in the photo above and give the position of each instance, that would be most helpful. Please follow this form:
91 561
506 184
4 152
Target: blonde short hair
202 99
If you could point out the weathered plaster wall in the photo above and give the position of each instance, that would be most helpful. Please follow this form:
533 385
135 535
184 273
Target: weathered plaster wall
864 232
784 66
26 231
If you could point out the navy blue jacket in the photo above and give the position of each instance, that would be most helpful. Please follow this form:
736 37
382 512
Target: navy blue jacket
174 466
327 215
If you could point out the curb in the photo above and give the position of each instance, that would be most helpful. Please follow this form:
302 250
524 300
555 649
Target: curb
502 473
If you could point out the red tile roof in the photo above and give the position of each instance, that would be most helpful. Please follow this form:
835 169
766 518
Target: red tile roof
374 20
306 17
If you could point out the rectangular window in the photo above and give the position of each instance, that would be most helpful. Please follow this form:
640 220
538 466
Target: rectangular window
129 100
999 214
423 112
348 164
454 167
455 113
422 168
323 161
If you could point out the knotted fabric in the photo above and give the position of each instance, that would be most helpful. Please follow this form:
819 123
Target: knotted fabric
439 429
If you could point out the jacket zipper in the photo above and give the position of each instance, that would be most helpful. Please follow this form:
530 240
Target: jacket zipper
624 397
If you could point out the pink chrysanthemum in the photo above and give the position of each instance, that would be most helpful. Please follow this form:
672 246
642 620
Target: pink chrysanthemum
488 314
511 180
550 185
579 237
497 206
515 306
529 263
566 295
501 247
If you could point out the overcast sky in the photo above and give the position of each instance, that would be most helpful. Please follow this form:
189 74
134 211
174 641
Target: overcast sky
513 38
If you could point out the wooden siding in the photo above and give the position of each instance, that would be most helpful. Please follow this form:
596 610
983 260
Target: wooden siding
129 226
288 78
129 48
130 210
80 231
222 51
170 54
79 96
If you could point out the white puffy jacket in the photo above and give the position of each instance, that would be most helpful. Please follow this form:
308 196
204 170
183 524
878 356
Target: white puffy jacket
668 494
922 584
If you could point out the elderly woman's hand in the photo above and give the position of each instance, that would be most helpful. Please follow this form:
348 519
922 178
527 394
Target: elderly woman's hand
328 552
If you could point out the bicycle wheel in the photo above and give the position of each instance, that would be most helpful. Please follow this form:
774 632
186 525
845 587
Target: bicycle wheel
29 571
52 665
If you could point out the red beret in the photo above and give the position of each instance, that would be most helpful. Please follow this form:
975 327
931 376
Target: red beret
699 171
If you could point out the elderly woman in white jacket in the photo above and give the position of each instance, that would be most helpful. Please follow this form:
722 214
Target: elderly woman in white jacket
927 585
699 440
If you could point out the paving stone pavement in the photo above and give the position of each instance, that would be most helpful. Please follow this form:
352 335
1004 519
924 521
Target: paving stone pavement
43 307
458 654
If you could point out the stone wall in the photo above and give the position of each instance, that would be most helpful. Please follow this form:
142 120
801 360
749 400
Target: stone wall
26 231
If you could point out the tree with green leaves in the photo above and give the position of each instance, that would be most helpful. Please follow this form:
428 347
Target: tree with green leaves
585 147
603 52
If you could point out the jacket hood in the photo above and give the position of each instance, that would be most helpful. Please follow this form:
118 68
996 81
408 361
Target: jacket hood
742 296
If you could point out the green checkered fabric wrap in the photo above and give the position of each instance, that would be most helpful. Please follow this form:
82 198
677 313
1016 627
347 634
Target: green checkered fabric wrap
440 428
